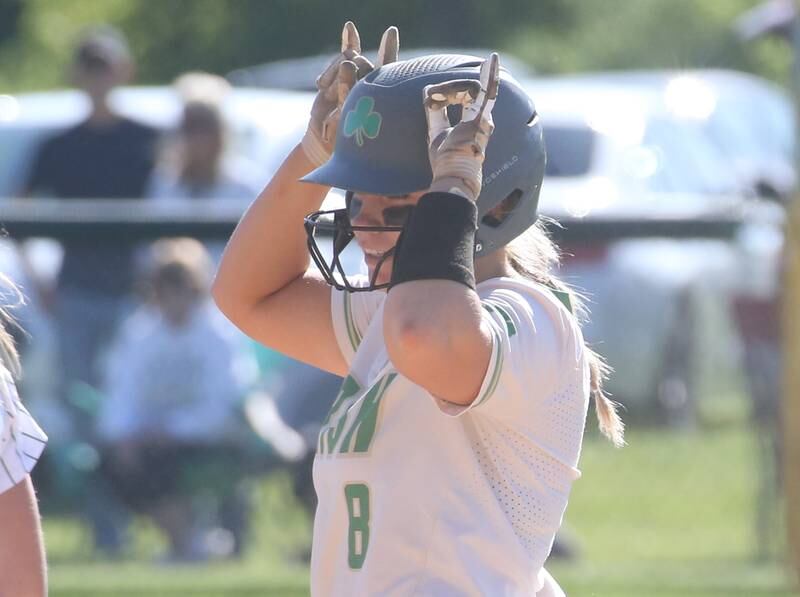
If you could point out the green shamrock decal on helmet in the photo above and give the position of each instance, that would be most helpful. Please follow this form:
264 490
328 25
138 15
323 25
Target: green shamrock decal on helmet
362 121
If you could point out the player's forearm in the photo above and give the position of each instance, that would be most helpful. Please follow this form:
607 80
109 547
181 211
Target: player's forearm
435 336
268 249
22 562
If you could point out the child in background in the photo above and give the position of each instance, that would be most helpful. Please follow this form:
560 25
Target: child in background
175 380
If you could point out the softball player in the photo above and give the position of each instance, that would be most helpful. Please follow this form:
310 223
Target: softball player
22 565
446 461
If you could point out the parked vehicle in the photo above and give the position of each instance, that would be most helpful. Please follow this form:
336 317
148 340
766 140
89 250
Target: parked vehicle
751 121
616 150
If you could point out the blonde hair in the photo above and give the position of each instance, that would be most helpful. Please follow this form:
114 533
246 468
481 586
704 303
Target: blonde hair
202 95
533 256
182 261
202 87
8 349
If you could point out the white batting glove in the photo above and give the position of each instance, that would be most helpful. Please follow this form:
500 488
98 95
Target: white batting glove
335 83
457 153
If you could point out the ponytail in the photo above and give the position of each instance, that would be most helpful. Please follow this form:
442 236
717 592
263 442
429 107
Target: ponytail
532 256
608 418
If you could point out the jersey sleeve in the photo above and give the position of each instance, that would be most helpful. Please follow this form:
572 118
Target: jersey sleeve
537 366
352 313
21 439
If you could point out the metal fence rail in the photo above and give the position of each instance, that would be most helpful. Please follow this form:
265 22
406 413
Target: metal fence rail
137 219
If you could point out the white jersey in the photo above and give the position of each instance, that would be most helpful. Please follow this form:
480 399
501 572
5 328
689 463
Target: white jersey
21 439
418 496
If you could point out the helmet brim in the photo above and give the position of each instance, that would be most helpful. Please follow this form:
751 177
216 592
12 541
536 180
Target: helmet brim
374 180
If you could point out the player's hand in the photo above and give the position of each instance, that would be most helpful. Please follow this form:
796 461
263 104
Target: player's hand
457 153
335 83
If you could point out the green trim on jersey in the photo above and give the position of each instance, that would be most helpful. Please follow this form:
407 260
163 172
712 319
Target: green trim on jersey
510 326
563 297
352 330
496 370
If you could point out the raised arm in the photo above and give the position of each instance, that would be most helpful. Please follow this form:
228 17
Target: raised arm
435 331
264 284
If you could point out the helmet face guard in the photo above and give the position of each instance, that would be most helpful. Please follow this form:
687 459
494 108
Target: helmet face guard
382 149
336 224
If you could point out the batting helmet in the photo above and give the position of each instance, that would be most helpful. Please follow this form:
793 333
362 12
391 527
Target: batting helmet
382 146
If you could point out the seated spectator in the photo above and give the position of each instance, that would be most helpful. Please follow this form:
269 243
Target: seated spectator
194 165
170 422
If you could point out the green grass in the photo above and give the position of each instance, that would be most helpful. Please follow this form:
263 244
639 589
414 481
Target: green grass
671 514
273 565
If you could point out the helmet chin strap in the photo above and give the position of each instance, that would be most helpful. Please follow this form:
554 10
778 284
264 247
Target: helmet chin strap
378 265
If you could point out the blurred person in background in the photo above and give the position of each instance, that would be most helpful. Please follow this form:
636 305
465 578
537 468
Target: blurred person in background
106 156
466 376
22 560
169 424
194 165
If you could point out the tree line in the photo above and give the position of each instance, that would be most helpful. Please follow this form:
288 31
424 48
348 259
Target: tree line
171 36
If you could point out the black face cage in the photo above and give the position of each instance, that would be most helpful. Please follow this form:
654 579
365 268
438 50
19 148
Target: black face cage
336 223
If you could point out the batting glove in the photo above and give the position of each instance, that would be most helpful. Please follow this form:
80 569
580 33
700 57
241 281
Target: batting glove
335 83
457 152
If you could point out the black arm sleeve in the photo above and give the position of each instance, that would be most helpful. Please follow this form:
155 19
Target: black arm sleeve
438 241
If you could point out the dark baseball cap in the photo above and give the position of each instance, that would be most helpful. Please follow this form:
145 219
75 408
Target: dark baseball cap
102 47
